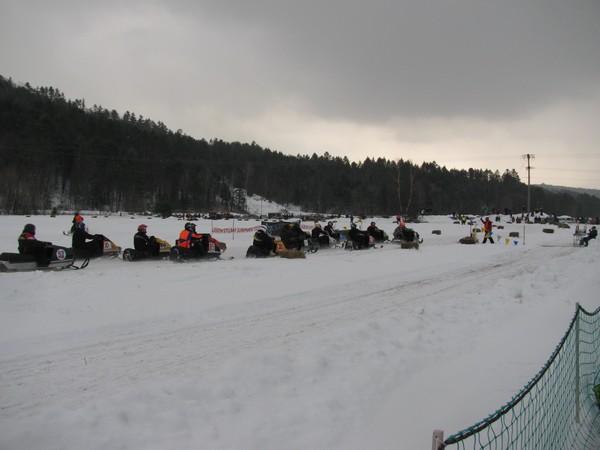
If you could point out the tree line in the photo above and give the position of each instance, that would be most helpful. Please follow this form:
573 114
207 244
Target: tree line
60 153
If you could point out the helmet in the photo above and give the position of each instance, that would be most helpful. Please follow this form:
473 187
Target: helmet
142 228
78 218
318 226
330 224
373 224
352 225
29 228
402 224
81 225
262 228
190 226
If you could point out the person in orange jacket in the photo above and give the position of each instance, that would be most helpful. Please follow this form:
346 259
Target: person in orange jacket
188 238
487 229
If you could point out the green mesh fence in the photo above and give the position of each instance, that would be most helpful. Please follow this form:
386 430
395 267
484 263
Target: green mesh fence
558 409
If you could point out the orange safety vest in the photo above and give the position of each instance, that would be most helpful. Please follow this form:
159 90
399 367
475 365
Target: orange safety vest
185 238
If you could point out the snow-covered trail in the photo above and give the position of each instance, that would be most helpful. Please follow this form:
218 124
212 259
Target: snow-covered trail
308 353
100 361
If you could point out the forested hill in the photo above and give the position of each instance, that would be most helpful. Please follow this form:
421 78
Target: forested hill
57 152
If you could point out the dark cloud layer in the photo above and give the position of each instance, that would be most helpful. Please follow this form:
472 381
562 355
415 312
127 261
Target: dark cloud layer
407 58
347 59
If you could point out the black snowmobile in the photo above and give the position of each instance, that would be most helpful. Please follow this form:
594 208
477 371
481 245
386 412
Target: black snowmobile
358 239
213 250
131 254
407 237
58 258
109 248
313 244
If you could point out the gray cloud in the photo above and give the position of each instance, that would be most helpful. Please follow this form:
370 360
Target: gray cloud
408 58
406 78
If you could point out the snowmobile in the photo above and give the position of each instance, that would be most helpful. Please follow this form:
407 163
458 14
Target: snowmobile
313 245
214 249
350 244
362 239
280 250
59 258
255 252
109 248
343 234
407 237
164 252
383 237
298 242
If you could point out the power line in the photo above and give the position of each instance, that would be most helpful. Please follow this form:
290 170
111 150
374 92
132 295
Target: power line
563 169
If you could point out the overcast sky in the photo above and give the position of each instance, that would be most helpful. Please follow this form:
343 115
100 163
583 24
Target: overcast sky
465 83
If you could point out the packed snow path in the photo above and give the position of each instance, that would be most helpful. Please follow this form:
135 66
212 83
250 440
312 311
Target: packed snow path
262 353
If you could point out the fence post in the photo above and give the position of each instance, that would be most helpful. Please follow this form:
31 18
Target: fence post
437 439
577 403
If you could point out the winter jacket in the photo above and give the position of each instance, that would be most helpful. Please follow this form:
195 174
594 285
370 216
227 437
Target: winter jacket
186 238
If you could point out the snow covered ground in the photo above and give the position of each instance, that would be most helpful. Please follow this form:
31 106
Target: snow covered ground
344 350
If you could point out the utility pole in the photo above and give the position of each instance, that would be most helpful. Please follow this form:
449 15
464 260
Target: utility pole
529 158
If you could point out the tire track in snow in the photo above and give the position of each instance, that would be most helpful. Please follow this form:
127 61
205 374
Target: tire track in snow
33 381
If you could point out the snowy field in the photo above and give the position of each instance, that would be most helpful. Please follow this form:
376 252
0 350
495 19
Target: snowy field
344 350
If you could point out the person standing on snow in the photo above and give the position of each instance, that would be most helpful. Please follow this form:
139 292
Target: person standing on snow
487 228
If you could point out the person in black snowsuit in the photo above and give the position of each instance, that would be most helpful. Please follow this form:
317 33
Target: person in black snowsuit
29 245
331 232
76 220
292 236
320 235
402 233
91 245
145 246
592 234
262 242
377 234
359 238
